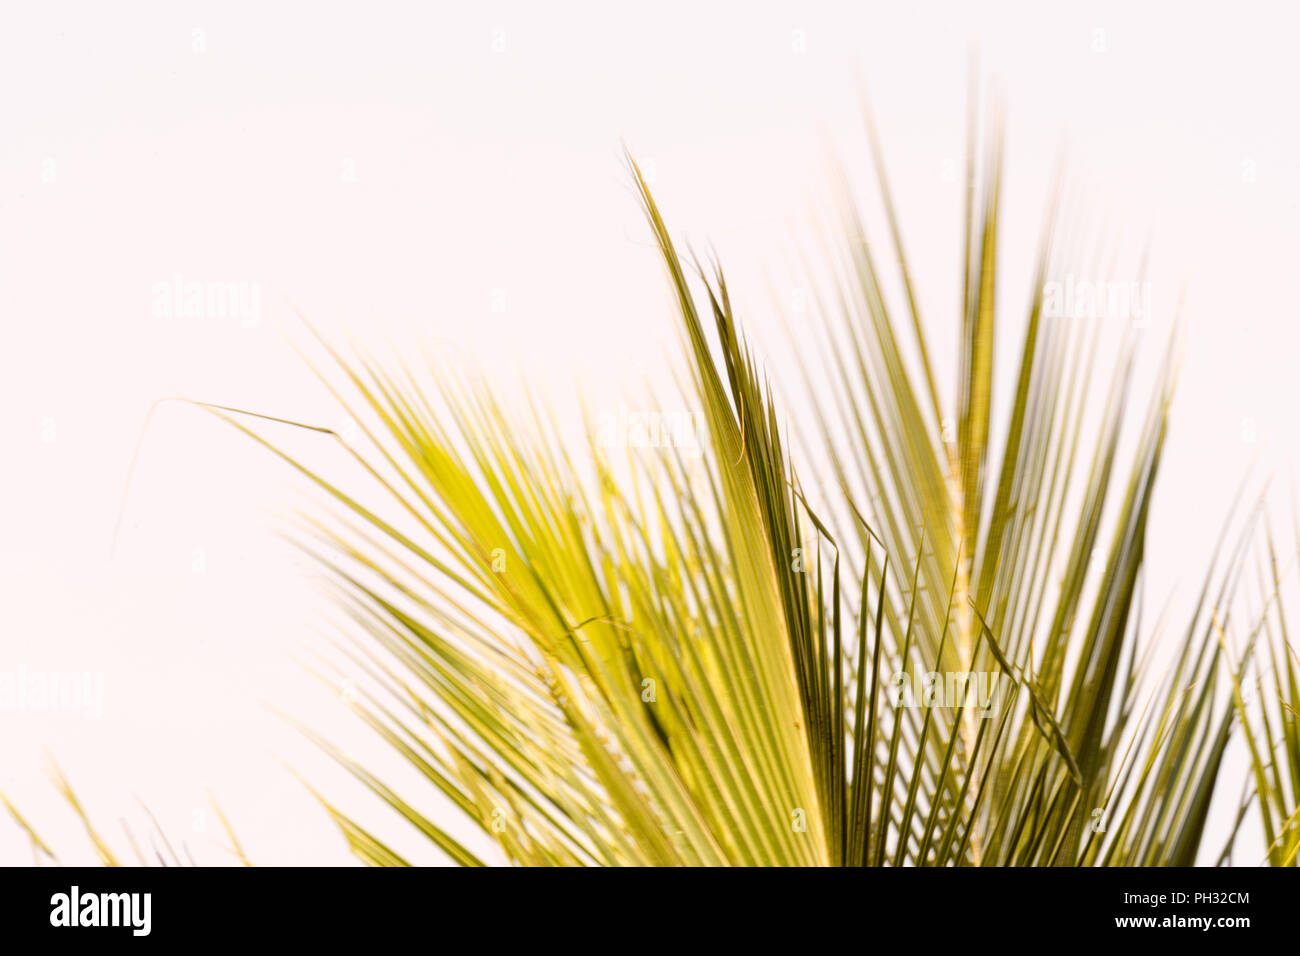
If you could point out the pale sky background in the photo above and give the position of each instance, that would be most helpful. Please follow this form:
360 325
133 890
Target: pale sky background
451 174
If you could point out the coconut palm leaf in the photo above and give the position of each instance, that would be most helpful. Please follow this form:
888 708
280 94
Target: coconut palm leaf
163 851
679 658
986 542
1266 700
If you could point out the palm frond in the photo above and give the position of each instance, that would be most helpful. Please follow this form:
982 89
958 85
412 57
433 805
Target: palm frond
164 851
1265 698
678 660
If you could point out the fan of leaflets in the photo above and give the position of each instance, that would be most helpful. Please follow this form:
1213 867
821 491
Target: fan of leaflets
674 659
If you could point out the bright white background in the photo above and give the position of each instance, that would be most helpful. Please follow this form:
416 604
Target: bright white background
394 170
